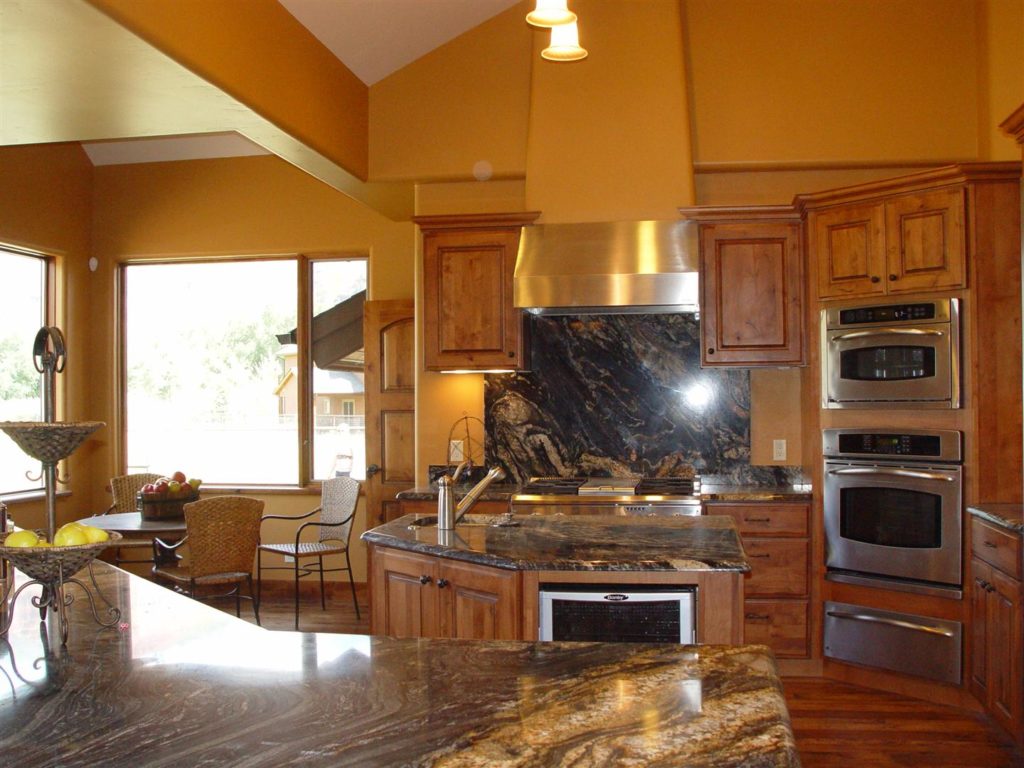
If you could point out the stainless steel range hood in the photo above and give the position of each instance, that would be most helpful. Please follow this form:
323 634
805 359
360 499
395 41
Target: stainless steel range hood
608 267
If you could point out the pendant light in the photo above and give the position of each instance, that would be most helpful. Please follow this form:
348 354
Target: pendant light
565 44
551 13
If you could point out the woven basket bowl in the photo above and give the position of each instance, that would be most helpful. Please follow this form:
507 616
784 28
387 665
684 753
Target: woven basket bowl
45 563
49 441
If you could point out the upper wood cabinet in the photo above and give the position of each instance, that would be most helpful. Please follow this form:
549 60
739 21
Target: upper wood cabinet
752 286
900 242
469 321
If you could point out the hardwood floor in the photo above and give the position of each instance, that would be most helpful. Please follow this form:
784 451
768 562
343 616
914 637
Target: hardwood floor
835 724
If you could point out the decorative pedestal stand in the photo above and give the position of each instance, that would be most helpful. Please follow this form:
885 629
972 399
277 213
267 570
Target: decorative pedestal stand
50 442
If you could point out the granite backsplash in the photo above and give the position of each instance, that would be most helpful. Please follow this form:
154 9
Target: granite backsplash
622 394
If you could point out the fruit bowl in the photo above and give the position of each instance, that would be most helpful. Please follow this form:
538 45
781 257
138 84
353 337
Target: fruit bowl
47 564
163 507
49 441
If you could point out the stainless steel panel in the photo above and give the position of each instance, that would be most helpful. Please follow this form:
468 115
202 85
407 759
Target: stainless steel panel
950 444
895 585
902 642
623 266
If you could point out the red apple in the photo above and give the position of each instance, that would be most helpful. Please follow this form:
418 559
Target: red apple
160 487
149 488
179 476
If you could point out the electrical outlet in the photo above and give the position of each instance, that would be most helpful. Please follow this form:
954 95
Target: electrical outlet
289 559
455 451
778 450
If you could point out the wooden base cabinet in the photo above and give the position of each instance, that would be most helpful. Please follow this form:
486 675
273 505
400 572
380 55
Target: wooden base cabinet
422 596
775 608
997 646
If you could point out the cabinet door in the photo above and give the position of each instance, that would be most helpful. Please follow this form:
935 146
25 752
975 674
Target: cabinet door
849 245
404 594
1004 651
981 577
479 603
468 319
779 624
751 294
925 241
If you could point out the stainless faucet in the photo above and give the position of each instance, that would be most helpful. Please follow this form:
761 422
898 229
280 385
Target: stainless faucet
447 516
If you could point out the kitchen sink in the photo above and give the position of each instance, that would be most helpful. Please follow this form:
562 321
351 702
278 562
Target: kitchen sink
469 521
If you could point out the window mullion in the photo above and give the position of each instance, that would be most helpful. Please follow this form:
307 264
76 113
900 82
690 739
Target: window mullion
304 305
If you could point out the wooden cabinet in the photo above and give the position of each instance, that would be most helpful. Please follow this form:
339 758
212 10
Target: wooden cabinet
997 645
900 244
469 321
422 596
775 608
752 292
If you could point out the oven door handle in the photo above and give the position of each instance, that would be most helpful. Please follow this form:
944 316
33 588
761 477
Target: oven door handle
887 332
891 622
916 474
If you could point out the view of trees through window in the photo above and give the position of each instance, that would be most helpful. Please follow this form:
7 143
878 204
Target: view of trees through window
213 386
23 299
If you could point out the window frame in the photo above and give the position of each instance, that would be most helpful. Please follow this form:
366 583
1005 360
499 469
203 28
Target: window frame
52 313
303 334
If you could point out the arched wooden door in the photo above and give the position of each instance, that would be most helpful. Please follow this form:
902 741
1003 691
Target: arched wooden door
390 406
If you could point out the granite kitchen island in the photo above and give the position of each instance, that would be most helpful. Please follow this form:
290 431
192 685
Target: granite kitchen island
180 683
482 580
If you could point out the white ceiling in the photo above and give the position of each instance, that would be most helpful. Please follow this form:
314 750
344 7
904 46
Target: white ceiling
373 38
377 37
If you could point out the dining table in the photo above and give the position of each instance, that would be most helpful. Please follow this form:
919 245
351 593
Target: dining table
137 531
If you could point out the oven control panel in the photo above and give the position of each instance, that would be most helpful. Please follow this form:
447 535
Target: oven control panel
939 445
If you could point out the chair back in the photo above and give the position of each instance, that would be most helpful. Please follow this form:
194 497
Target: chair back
124 488
338 499
223 533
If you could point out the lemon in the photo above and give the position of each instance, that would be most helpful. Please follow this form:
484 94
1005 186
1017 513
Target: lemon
22 539
69 536
95 535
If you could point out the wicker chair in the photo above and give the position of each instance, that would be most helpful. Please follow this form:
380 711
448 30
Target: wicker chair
222 533
124 488
338 498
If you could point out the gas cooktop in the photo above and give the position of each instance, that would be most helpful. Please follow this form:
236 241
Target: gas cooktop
584 488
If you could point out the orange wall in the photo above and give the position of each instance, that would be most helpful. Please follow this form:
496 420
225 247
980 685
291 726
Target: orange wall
46 206
466 101
259 53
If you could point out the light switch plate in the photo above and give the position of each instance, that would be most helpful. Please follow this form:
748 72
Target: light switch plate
778 450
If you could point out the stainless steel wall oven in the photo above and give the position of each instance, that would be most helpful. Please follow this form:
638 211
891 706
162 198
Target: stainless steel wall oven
904 355
892 505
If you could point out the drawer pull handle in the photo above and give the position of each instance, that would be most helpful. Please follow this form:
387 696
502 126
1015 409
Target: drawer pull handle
983 584
891 622
756 617
757 520
424 579
442 583
763 555
989 544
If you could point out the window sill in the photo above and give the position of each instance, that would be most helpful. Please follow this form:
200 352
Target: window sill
28 497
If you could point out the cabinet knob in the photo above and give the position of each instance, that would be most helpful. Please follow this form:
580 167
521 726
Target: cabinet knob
711 350
511 354
442 583
893 277
876 279
424 579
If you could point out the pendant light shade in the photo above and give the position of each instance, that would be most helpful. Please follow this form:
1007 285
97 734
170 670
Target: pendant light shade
565 44
551 13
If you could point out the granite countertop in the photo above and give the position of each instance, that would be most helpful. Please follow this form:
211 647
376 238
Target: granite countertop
551 542
1009 516
734 493
180 683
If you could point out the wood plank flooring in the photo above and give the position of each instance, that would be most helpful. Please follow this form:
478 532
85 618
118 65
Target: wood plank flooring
835 724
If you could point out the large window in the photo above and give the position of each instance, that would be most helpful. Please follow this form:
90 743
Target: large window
23 307
217 382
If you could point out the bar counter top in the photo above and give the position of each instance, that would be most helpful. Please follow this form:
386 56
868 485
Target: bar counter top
574 542
179 683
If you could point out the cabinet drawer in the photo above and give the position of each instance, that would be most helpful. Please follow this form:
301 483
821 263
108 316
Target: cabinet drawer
765 519
778 567
779 624
997 547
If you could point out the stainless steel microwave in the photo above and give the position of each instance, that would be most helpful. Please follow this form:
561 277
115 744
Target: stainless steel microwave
892 355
